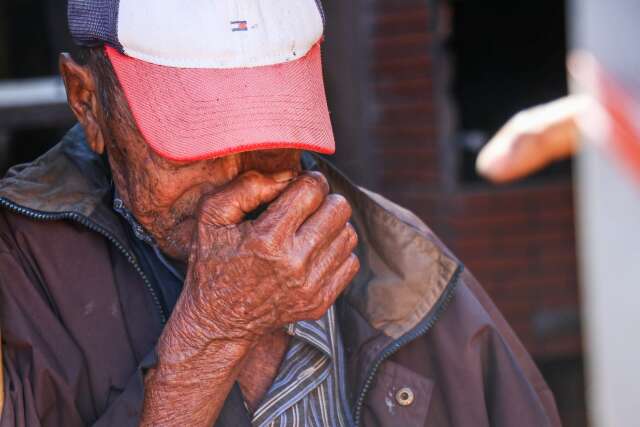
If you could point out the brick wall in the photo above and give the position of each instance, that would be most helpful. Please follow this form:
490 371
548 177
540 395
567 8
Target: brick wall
396 138
519 243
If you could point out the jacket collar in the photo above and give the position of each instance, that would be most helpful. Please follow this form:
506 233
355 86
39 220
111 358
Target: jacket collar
405 269
68 178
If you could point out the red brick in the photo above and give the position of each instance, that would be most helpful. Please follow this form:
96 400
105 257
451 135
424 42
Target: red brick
401 45
393 88
405 21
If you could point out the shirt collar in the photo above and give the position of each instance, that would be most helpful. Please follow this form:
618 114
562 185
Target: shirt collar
318 333
138 230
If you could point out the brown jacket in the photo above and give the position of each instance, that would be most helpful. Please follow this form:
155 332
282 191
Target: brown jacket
80 320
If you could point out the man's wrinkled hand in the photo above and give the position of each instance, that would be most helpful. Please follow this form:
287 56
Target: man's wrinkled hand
248 277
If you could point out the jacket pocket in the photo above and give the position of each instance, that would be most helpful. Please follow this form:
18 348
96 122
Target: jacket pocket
399 398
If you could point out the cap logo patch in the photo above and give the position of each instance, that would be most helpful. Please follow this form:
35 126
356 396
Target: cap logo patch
239 26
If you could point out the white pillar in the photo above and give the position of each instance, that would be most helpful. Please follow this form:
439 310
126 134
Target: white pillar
609 221
609 225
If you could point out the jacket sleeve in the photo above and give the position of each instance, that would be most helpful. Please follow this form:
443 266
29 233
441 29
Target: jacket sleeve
46 380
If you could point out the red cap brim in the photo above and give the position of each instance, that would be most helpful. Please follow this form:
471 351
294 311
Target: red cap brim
194 113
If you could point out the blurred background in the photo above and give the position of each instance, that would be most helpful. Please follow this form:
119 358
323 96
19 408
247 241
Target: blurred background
416 88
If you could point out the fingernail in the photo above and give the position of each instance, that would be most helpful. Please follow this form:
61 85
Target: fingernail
283 176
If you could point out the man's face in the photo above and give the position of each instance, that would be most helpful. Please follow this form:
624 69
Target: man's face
164 195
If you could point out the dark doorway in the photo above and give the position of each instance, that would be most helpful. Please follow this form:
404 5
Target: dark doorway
507 56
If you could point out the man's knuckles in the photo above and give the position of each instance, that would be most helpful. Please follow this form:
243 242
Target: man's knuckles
353 266
286 261
313 181
318 230
331 290
258 188
344 244
352 239
344 274
338 206
297 268
334 212
309 189
219 211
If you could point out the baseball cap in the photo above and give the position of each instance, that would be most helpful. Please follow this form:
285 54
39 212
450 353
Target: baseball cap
209 78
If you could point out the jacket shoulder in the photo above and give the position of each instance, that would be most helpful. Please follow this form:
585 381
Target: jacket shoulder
472 339
472 349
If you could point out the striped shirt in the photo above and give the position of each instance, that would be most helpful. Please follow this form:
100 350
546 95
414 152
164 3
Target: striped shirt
310 388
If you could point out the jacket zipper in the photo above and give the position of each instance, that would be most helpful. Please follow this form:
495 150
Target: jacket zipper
41 216
420 330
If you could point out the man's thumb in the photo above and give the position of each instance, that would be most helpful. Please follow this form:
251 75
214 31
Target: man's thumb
247 192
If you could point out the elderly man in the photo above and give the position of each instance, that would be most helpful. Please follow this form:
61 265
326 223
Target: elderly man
178 260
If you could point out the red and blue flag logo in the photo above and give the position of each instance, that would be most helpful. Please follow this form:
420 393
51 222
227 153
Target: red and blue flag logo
239 26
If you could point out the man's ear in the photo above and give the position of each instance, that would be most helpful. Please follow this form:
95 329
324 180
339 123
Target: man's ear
83 100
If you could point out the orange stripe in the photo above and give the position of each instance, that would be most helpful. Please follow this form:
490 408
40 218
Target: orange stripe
625 139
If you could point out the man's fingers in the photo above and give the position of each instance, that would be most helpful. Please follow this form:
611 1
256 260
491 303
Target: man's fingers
301 199
337 283
333 256
321 227
244 194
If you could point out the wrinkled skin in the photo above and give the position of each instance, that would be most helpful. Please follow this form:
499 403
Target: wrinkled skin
246 279
275 270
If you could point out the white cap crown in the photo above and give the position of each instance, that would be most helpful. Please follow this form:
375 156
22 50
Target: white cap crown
218 33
